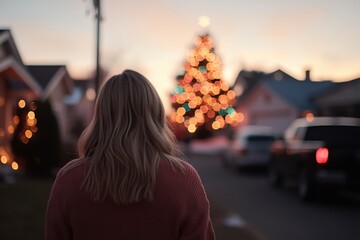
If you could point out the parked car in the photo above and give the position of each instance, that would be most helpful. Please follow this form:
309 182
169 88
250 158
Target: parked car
250 147
318 153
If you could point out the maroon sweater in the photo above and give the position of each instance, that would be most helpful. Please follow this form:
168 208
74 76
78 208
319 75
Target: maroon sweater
180 210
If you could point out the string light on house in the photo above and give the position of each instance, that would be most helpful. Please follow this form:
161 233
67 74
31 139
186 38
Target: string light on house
29 127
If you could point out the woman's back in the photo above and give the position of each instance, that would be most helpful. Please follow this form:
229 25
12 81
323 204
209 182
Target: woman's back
179 210
130 182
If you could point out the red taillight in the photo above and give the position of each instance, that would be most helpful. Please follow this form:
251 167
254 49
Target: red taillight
322 155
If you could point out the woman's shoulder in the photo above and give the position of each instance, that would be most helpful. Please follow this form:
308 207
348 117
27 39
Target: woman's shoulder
183 172
71 166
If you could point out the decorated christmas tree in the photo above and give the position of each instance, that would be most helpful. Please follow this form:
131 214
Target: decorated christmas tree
201 98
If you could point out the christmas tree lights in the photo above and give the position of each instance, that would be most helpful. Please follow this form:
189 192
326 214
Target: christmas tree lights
201 96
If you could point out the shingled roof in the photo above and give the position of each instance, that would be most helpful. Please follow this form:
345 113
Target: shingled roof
298 93
44 73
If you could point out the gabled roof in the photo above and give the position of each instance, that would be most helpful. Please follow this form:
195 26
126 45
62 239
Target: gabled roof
12 69
7 40
44 73
298 93
49 76
340 94
295 92
250 79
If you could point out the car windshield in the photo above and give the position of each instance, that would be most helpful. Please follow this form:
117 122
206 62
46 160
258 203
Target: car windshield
333 134
260 138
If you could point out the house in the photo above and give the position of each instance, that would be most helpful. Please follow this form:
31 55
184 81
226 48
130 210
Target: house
277 98
16 83
343 99
56 83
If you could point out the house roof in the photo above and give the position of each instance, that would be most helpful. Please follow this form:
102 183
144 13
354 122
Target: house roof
298 93
44 73
342 93
8 41
12 69
49 76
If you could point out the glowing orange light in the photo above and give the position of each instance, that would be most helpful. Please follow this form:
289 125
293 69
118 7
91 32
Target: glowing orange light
193 121
30 122
34 129
2 132
204 90
198 112
172 117
222 99
231 94
199 57
90 94
187 78
194 62
4 159
28 133
196 87
192 104
21 103
215 125
14 166
204 109
210 57
216 90
179 119
309 117
16 119
224 86
204 51
240 117
11 129
181 111
228 119
210 75
216 107
211 114
191 128
31 115
210 66
217 75
224 105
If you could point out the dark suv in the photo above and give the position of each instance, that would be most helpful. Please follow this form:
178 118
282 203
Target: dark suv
317 153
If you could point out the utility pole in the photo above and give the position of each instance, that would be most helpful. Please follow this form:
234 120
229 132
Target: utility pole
98 19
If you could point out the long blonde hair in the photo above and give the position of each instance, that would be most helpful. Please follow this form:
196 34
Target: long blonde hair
126 140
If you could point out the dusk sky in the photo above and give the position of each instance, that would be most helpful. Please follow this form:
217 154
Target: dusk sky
155 36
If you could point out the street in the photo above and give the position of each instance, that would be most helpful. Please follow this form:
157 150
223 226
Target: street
278 214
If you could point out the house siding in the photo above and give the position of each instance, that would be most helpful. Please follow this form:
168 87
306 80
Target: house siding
264 107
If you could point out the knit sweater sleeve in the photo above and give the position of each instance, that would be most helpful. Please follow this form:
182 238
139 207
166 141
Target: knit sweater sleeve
56 226
196 223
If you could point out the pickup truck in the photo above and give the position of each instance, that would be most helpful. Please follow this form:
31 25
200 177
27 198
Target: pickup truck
317 152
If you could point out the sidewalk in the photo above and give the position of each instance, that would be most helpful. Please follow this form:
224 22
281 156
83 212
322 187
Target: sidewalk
228 225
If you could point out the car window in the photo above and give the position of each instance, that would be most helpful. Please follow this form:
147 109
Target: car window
333 134
260 138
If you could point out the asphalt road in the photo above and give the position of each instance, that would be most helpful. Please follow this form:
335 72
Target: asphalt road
278 214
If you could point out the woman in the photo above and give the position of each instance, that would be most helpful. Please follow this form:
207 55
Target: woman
128 182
